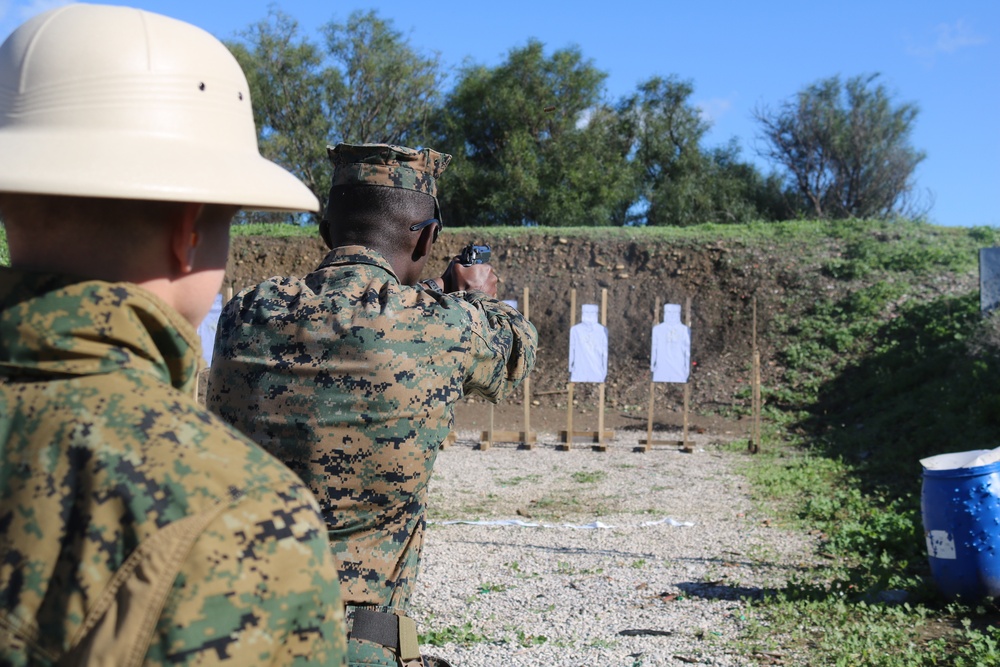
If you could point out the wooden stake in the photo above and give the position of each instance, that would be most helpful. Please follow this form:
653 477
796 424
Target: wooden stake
601 447
685 446
528 439
648 445
568 441
755 424
568 438
487 441
449 440
753 444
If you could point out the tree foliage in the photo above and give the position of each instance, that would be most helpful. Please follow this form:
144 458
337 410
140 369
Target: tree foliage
536 140
682 183
533 143
386 92
366 85
846 148
291 110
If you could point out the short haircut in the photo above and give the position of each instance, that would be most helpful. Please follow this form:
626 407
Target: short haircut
124 220
40 220
375 216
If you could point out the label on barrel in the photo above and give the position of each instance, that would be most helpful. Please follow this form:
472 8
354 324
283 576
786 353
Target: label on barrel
940 545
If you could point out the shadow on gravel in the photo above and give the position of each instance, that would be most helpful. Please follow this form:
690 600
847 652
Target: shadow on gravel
712 590
578 551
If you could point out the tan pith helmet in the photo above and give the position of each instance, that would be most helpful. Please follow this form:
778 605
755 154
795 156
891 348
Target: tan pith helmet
104 101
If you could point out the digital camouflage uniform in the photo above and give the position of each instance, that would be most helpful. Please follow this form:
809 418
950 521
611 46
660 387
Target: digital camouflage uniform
350 378
135 527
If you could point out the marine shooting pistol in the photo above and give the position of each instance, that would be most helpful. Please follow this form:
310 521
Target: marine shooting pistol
474 254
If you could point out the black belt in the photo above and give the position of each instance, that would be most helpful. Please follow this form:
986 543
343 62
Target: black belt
393 631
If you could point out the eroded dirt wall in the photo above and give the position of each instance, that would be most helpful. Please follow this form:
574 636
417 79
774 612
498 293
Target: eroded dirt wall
721 283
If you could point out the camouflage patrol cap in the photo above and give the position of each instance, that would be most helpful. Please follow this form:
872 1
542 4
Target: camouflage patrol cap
387 165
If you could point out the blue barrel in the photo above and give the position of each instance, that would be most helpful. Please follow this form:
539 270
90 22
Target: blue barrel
961 514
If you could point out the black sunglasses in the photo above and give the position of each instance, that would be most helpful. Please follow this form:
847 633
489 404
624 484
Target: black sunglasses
420 225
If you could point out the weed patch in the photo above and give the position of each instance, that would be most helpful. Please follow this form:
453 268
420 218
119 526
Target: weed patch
589 476
463 635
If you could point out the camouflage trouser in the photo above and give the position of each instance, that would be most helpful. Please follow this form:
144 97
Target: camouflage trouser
361 653
384 638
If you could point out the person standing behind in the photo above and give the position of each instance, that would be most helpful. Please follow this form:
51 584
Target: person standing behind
136 528
350 376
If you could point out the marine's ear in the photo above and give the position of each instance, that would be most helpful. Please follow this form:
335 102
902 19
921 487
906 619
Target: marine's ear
424 242
184 236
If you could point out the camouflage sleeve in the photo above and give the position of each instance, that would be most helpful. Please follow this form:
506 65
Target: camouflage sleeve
502 347
259 587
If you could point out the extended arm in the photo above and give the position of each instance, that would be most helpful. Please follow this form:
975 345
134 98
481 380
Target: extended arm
502 346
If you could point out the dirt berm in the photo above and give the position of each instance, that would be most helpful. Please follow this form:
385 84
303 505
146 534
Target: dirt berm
721 281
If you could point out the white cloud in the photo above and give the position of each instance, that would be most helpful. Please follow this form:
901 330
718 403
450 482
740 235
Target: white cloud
948 38
952 37
714 109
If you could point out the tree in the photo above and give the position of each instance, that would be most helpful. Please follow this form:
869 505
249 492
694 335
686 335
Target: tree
846 148
386 92
368 86
287 88
682 183
667 133
533 144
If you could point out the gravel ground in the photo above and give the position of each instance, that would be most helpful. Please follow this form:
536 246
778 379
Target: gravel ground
595 558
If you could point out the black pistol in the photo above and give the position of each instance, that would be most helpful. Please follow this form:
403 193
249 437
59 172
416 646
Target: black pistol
474 254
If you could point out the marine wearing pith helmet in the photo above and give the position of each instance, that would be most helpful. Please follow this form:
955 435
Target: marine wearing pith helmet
135 527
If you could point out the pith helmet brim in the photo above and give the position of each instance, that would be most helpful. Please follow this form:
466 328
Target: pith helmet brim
102 164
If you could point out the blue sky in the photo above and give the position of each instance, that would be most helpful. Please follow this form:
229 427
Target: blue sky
943 56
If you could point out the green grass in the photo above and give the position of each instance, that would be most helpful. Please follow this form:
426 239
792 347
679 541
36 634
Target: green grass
515 567
487 588
520 479
886 370
870 635
898 238
524 640
563 567
588 476
833 614
463 635
277 230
